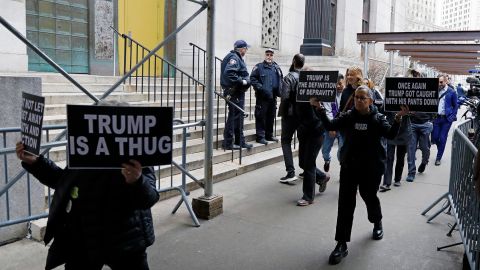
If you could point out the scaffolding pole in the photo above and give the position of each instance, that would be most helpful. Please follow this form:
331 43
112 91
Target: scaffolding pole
210 84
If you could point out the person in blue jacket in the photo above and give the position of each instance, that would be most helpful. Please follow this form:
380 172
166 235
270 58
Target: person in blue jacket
235 81
447 114
266 78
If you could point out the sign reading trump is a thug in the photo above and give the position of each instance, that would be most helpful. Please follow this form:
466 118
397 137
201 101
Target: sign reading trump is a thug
106 136
321 85
419 94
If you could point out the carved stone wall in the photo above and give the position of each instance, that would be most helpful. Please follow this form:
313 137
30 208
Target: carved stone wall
271 24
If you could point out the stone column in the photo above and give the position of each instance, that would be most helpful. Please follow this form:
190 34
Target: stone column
317 21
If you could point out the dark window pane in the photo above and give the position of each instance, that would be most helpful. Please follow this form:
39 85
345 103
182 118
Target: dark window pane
46 24
46 40
64 27
63 42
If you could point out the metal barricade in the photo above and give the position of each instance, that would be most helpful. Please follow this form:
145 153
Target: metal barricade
10 182
461 195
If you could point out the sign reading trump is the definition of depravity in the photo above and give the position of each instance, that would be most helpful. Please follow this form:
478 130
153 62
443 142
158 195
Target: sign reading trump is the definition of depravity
321 85
419 94
106 136
31 122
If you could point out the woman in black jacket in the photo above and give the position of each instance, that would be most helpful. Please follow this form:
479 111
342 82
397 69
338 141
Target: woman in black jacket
97 217
362 160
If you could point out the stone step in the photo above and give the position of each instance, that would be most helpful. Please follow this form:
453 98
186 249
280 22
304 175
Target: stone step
165 86
224 171
56 114
78 98
60 108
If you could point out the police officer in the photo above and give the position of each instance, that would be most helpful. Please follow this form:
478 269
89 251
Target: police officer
266 78
235 82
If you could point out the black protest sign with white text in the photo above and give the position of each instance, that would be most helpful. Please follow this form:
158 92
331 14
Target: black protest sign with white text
31 123
106 136
319 84
420 94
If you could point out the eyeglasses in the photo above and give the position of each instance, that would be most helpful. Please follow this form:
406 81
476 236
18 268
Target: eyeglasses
361 98
440 81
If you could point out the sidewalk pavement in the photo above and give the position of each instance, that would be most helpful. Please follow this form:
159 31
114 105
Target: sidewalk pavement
262 228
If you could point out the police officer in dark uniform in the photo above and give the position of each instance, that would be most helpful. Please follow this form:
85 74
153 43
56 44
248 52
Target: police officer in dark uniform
235 81
266 78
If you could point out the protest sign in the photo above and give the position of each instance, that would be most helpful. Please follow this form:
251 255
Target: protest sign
31 122
106 136
420 94
319 84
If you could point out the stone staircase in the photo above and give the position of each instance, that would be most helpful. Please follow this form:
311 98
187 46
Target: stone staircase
58 92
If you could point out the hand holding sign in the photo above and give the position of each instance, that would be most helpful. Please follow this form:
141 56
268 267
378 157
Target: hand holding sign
24 156
132 171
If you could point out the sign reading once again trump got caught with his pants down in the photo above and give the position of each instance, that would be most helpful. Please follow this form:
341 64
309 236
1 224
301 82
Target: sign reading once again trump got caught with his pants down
419 94
106 136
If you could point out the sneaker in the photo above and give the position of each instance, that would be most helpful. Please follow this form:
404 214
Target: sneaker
384 188
262 141
410 178
421 168
322 185
437 162
290 177
397 183
232 147
303 202
326 165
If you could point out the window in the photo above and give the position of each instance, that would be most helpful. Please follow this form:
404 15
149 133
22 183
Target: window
271 24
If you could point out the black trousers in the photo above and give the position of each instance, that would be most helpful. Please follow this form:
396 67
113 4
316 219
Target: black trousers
309 147
233 132
265 117
289 126
400 163
367 181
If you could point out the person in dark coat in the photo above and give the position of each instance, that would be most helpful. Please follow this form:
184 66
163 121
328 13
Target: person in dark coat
235 81
266 79
289 116
362 160
310 139
97 217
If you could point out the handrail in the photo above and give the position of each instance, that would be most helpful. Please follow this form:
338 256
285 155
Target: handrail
45 57
179 69
203 50
154 50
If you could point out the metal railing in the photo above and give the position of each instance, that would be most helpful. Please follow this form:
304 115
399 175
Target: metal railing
161 171
461 196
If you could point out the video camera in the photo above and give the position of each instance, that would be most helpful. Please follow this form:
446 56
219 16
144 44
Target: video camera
474 90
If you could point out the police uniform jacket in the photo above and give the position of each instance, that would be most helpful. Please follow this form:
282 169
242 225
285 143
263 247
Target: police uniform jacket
233 72
262 80
96 211
362 145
